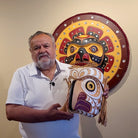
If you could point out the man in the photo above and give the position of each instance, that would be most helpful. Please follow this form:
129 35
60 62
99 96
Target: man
38 90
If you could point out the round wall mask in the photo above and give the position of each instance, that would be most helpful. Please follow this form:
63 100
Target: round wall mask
93 38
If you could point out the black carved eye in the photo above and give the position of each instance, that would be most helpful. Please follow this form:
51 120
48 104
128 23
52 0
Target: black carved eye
90 86
72 49
94 49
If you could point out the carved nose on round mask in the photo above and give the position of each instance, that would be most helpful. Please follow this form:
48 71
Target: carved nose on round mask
82 55
86 57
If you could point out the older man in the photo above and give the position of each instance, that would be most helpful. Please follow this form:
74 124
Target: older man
38 90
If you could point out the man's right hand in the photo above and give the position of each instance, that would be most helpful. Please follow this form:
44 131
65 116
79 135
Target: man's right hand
55 114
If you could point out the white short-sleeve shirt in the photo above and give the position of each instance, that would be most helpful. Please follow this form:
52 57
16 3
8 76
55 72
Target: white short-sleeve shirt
29 87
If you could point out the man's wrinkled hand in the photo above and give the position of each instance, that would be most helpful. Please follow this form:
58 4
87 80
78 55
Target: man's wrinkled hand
55 114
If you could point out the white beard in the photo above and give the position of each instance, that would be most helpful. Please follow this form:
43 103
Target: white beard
44 65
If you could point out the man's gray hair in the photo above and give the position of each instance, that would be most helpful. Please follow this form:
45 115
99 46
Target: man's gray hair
38 33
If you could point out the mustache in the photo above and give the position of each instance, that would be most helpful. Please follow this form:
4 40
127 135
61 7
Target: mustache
43 54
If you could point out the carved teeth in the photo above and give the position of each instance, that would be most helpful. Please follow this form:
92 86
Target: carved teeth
80 111
91 115
88 114
84 113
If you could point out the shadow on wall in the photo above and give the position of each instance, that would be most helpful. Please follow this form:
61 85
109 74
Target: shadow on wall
88 128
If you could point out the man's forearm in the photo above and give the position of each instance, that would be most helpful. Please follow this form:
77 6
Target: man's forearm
24 114
30 115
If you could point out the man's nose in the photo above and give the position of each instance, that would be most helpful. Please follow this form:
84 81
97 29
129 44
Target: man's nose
42 49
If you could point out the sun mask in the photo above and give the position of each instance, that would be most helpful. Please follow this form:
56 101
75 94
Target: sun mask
84 49
96 39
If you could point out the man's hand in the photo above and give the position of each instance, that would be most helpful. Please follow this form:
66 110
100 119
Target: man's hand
106 92
54 114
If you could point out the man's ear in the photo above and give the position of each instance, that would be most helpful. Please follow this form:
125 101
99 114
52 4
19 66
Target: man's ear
30 49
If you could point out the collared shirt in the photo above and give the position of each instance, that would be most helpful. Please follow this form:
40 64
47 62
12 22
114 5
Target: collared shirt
29 87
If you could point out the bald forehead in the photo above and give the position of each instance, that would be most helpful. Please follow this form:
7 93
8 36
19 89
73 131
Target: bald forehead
41 38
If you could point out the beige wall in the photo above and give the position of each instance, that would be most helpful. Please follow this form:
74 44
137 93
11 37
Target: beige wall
20 18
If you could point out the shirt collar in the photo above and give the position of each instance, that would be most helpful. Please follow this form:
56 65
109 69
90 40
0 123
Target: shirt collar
33 71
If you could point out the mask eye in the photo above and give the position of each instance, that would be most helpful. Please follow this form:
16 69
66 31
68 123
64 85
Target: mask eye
90 86
72 49
94 49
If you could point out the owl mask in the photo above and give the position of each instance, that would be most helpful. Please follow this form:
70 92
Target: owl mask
86 85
